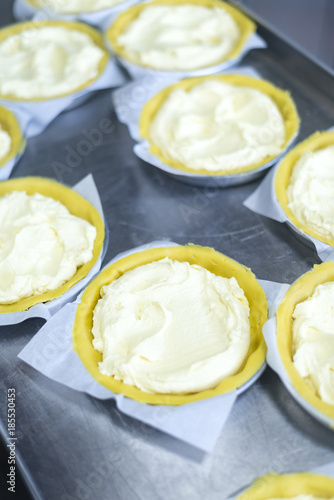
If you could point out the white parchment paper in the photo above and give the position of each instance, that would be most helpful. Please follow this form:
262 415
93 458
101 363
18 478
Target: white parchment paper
86 188
23 11
263 201
41 113
136 71
199 423
327 469
23 120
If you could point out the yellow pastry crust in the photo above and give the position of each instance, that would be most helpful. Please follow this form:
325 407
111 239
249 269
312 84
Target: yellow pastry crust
316 141
245 25
299 291
289 485
78 206
15 29
282 99
211 260
9 124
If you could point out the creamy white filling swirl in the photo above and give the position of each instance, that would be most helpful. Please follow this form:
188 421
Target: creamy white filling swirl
41 245
45 62
311 191
171 327
179 37
217 126
5 143
313 341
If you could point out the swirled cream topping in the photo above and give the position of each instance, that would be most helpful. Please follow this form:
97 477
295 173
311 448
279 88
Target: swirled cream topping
313 341
78 6
217 126
45 62
41 245
179 37
171 327
311 191
5 143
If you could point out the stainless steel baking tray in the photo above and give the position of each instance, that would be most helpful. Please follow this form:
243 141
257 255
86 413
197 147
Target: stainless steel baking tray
71 446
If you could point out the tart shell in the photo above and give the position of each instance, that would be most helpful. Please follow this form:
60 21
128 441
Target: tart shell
211 260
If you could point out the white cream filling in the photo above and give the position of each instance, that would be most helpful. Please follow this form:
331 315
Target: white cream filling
41 245
5 143
313 341
171 327
78 6
311 191
47 62
216 126
180 38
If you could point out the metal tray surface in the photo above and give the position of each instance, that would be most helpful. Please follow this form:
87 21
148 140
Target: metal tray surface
71 446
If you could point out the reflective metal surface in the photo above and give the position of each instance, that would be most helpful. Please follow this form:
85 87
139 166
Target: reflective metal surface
72 446
306 24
